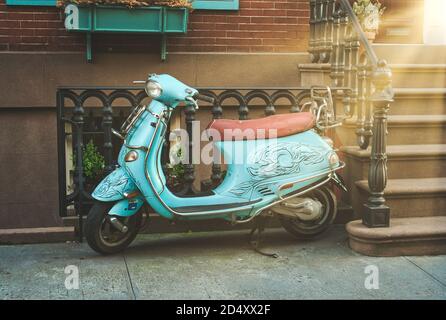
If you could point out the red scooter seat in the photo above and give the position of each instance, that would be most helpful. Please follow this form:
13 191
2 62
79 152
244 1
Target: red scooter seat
276 126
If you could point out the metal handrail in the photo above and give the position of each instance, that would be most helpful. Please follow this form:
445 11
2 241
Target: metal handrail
336 37
362 37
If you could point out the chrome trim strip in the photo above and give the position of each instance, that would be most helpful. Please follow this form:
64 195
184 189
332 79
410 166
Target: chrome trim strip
137 147
116 133
152 113
329 172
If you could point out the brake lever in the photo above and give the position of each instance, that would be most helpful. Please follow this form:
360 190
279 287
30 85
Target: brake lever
190 99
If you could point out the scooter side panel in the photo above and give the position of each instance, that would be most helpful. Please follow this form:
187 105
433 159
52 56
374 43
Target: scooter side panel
114 186
269 164
259 168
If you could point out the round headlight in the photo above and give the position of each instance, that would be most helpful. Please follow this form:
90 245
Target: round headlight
153 89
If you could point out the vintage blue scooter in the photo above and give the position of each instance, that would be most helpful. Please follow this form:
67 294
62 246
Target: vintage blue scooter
284 174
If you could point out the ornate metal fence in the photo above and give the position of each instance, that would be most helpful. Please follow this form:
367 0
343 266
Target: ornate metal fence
336 37
90 113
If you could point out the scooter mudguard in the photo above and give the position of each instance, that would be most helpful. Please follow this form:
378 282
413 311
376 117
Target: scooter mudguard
127 207
114 186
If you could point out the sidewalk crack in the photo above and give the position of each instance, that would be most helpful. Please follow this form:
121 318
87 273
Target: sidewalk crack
429 274
129 279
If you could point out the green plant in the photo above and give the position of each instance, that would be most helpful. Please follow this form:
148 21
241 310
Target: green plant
175 172
130 3
93 161
368 13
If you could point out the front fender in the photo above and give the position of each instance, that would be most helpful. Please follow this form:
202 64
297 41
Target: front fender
113 187
127 207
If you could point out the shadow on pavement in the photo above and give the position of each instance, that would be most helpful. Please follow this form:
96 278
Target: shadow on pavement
202 243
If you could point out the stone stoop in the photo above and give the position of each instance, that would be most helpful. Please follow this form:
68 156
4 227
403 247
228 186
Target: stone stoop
419 75
415 185
404 237
416 151
314 74
403 129
36 235
412 197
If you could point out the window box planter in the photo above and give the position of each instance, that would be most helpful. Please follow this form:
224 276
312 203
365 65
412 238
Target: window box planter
120 19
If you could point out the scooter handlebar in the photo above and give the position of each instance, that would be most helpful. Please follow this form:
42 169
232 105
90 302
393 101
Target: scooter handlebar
202 97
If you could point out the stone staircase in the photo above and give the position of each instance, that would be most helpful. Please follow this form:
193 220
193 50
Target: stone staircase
416 150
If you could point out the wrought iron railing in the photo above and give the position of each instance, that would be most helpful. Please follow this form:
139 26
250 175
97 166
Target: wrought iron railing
86 123
91 112
336 37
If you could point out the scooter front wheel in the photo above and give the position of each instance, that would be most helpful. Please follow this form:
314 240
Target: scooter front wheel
106 235
312 228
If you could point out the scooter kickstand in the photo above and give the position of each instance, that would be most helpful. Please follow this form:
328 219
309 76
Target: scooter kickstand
256 239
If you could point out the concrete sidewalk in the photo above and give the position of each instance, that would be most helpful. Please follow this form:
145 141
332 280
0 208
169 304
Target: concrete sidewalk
217 265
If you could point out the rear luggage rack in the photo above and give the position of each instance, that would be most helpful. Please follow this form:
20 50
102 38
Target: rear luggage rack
321 105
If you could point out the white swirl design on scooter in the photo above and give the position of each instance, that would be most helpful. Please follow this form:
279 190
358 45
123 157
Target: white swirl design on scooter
278 160
112 185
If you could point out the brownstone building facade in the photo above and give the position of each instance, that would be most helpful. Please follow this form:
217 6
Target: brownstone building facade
258 26
248 43
260 44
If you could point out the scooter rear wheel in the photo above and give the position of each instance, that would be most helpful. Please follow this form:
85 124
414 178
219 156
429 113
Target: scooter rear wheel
311 229
102 236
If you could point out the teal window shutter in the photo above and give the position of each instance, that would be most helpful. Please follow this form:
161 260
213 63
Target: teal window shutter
215 4
31 2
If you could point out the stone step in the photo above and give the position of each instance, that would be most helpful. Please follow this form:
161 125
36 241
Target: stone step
404 237
411 197
417 129
403 129
418 75
411 53
414 101
36 235
403 161
404 75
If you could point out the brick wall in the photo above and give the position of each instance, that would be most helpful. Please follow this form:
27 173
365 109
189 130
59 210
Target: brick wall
259 26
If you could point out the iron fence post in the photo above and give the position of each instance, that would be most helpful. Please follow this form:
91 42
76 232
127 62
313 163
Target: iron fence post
376 212
78 120
61 154
107 121
189 169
